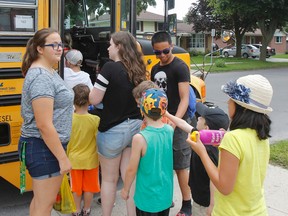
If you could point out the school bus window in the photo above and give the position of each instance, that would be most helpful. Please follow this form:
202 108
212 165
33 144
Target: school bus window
99 21
19 1
74 14
96 16
125 5
5 134
17 19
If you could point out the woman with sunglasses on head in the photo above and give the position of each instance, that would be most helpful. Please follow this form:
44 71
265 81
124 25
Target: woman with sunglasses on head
172 75
46 108
120 117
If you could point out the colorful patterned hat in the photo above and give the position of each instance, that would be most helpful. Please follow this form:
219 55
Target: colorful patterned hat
154 102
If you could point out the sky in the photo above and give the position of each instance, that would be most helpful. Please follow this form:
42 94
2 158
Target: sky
181 8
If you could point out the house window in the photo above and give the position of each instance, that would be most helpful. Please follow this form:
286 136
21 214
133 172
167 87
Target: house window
138 26
197 41
160 26
278 39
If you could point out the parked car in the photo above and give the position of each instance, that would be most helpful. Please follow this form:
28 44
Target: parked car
269 51
247 50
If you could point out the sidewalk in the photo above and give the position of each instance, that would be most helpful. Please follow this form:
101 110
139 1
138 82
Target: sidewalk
276 193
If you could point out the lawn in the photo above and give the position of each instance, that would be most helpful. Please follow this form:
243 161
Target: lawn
280 56
279 154
232 64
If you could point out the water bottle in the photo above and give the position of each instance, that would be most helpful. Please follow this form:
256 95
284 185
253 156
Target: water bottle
208 137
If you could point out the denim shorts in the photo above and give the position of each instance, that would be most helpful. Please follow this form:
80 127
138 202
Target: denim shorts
39 160
112 142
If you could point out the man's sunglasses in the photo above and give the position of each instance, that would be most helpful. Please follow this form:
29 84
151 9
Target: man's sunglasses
164 51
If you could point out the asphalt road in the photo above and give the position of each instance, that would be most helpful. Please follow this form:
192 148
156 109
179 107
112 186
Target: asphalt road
279 81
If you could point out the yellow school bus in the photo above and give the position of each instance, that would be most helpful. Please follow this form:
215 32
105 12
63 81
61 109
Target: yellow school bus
84 24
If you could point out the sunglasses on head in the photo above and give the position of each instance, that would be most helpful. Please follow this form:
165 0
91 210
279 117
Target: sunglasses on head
164 51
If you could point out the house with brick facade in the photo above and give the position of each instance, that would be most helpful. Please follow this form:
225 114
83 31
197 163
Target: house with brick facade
148 23
278 41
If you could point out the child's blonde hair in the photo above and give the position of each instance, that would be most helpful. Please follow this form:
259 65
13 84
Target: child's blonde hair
142 87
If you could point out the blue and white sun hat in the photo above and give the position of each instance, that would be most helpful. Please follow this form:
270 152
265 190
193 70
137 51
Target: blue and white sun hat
253 92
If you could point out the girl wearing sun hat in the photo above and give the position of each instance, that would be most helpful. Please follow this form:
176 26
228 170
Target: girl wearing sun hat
244 151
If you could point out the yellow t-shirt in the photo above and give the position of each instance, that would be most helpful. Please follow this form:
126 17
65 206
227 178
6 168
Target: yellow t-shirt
247 197
82 147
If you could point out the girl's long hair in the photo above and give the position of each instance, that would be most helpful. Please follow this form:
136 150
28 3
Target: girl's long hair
31 54
245 118
130 56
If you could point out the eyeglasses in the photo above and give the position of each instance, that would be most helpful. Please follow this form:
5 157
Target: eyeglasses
164 51
55 46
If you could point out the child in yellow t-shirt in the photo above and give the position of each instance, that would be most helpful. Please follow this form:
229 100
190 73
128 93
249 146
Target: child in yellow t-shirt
82 151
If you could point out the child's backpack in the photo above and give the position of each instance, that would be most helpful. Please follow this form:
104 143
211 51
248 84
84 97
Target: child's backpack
192 103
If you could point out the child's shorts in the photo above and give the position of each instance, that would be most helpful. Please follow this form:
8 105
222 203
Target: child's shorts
181 150
85 181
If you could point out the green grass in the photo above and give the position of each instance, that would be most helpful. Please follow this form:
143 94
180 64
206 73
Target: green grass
234 64
280 56
279 154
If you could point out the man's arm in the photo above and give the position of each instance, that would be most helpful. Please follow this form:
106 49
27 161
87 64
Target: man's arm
184 99
138 149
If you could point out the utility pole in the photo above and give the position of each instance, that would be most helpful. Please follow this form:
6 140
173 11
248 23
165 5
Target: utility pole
212 36
165 27
133 17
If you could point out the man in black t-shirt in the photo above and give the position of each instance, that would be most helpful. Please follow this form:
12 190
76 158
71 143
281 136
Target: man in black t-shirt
172 75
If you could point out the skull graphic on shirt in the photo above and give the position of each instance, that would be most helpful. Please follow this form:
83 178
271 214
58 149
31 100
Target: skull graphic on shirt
161 80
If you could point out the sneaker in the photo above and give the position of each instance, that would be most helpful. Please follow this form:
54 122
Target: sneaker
99 201
86 212
181 213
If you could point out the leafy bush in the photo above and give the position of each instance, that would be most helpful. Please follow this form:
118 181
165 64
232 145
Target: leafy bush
220 63
194 52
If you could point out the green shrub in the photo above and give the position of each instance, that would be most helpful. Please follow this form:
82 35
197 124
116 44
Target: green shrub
194 52
220 63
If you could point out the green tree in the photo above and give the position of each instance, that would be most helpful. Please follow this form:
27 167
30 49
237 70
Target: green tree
201 15
239 14
271 15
